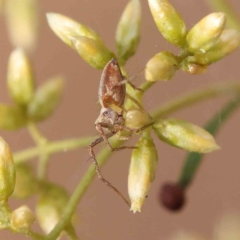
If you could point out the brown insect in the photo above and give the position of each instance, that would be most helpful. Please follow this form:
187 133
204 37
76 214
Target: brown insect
111 94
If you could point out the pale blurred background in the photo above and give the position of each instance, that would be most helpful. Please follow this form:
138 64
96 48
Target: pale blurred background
102 215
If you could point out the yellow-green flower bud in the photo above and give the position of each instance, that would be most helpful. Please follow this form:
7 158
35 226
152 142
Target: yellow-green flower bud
22 218
193 68
169 22
11 117
142 171
7 171
204 35
137 118
128 30
26 182
50 206
66 28
20 77
94 52
227 43
161 67
22 20
46 99
185 135
1 5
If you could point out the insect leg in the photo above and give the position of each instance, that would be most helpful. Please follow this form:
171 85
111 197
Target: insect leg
99 174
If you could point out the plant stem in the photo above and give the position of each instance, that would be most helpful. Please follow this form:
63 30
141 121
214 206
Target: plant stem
233 19
216 90
193 159
103 156
52 147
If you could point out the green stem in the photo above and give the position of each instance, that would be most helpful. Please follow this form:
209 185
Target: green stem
103 156
53 147
71 232
146 85
35 134
216 90
193 159
233 19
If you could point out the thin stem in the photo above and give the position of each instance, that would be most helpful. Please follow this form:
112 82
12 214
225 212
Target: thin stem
146 85
216 90
233 19
52 147
194 159
35 134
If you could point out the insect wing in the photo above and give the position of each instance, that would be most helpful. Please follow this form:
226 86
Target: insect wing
110 84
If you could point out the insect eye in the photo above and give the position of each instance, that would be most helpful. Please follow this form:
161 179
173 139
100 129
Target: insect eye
105 113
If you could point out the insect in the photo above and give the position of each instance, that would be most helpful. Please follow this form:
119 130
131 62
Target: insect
111 94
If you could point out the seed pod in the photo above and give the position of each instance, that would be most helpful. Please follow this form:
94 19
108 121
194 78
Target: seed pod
20 77
11 117
94 52
22 21
136 118
66 28
50 206
26 182
142 171
128 30
226 44
161 67
193 68
46 99
7 171
185 135
22 218
205 34
169 22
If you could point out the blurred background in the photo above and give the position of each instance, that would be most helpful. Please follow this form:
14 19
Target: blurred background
101 214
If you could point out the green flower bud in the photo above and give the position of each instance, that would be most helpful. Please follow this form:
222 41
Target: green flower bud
193 68
11 117
7 171
128 30
22 20
26 183
66 28
136 118
204 35
22 218
169 22
20 77
161 67
142 171
46 99
51 204
94 52
185 135
227 43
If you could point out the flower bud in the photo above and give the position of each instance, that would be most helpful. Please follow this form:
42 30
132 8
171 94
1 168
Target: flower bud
161 67
168 21
22 20
172 196
7 171
26 183
185 135
94 52
52 202
136 118
46 99
20 77
142 171
206 32
227 43
193 68
11 117
22 218
66 28
128 30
